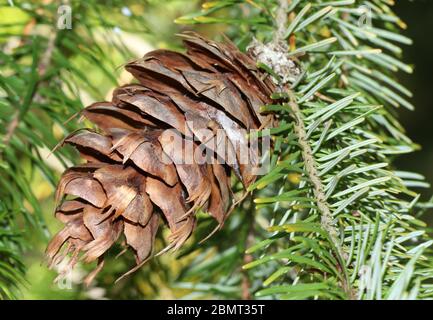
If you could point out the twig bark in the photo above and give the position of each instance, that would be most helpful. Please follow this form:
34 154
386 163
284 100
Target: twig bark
307 154
281 20
313 174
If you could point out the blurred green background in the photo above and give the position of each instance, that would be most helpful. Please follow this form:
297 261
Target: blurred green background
159 17
418 15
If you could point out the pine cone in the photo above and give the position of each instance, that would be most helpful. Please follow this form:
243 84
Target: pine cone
136 170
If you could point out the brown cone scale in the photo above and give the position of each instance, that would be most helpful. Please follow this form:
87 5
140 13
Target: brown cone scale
132 180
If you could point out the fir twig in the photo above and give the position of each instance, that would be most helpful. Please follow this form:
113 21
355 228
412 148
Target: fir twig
332 188
307 153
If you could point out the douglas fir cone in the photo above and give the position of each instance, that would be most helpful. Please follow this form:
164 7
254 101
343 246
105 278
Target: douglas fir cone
138 170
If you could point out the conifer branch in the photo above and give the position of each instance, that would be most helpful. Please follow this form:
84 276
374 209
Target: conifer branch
332 189
318 188
307 153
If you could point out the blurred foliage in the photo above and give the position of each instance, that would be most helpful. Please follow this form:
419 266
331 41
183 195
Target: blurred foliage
419 17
